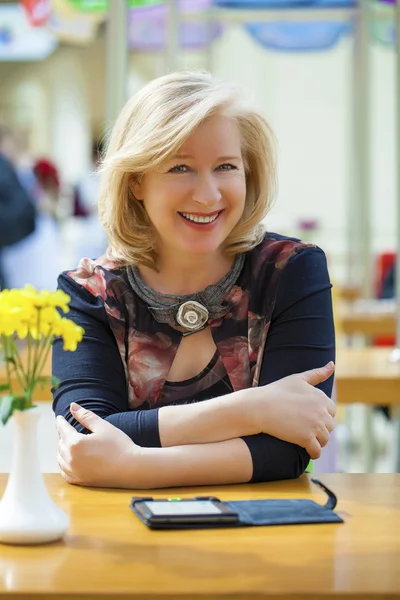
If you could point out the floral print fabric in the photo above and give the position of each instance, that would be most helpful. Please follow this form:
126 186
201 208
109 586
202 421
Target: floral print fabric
148 348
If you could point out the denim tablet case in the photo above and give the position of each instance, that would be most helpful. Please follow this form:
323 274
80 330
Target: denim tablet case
263 512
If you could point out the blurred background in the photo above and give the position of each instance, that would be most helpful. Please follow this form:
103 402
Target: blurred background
325 73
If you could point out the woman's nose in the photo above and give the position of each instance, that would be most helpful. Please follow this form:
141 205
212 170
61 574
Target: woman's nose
206 191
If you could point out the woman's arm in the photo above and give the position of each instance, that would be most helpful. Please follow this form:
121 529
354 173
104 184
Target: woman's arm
109 458
94 375
301 337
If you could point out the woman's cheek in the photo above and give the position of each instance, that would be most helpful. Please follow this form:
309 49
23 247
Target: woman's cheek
179 189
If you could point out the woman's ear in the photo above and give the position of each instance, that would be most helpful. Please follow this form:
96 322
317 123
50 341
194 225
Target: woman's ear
137 189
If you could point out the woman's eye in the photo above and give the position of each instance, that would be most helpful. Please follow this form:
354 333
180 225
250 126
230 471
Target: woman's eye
227 167
179 169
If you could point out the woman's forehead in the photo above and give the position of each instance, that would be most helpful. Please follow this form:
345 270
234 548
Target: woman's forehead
217 135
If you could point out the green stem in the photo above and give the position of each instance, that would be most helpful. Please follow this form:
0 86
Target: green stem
42 354
46 346
19 368
31 377
29 355
4 340
37 347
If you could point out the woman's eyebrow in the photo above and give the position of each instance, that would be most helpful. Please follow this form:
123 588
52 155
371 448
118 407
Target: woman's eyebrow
185 156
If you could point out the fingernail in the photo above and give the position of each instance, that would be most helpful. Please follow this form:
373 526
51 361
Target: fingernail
330 364
74 406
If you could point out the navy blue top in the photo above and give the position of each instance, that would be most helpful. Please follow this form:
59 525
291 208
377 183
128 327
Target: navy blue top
286 320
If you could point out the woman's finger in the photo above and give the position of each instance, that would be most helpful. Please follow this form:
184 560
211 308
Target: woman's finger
330 423
89 419
323 437
65 430
62 449
65 469
313 448
331 407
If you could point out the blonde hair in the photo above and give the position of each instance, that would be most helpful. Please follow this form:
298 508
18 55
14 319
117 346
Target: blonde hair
150 129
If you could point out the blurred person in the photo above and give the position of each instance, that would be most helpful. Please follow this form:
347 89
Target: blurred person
48 186
389 283
17 211
24 164
38 259
209 343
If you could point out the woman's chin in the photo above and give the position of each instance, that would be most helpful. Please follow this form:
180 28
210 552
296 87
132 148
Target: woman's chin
195 251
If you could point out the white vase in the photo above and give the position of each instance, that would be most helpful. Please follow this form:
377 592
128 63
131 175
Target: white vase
27 513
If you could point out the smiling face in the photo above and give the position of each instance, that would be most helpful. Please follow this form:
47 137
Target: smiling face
196 198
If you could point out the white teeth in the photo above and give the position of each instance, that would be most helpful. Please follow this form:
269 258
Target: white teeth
197 219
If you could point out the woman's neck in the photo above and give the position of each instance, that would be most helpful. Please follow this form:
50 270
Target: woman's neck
187 275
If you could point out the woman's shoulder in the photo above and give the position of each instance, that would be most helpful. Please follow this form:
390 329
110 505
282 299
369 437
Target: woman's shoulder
286 265
276 245
95 276
276 251
300 271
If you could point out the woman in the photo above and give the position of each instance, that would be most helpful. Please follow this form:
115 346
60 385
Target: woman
204 336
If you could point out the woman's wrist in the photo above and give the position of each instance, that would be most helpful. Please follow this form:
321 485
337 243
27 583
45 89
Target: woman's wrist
253 402
235 414
263 402
215 420
245 411
147 468
135 468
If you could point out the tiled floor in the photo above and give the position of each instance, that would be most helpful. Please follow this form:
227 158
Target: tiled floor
349 438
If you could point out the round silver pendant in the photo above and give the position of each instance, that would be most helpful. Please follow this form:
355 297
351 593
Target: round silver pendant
192 315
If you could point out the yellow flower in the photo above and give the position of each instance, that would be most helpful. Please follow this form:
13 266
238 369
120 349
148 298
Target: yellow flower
6 327
71 334
26 310
28 313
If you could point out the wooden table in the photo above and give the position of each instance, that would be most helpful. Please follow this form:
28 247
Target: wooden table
368 323
368 317
348 293
366 375
109 554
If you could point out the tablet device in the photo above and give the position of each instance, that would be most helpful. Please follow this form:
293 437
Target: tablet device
182 511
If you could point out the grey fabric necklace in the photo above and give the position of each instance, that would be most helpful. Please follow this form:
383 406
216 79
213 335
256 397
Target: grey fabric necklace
190 311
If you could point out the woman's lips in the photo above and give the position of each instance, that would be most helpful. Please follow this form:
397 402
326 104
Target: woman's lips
202 226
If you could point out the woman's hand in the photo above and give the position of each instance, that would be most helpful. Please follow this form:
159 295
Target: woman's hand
102 459
292 409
